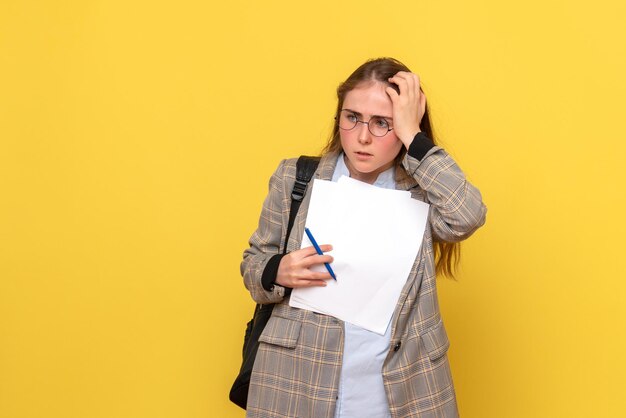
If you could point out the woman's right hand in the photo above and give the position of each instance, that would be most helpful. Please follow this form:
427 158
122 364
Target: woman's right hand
294 268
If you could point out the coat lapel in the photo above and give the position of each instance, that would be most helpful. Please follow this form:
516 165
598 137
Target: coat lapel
410 290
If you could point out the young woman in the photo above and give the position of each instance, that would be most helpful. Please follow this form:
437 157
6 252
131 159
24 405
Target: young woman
314 365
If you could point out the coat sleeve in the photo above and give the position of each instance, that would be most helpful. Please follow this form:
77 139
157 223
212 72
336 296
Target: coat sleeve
265 242
457 209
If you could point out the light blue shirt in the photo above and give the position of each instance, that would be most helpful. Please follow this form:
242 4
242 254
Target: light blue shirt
361 388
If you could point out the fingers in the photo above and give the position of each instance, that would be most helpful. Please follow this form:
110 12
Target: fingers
402 84
326 247
309 283
315 278
309 251
306 257
310 278
294 269
316 259
393 95
408 83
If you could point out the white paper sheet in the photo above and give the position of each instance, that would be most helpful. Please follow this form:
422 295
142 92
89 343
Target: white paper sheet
376 234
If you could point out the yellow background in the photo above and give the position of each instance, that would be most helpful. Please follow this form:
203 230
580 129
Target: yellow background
137 139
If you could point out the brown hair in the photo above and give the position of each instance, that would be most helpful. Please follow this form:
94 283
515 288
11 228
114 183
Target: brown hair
447 255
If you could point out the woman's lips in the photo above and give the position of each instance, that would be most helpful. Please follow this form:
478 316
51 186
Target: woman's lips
363 155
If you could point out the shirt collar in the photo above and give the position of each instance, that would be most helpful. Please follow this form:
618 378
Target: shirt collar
386 179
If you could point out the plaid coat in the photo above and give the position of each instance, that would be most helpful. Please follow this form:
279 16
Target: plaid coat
296 372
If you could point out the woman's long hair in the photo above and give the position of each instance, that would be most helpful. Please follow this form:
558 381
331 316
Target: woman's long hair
447 255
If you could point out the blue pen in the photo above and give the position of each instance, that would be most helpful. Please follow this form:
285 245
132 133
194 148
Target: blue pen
319 251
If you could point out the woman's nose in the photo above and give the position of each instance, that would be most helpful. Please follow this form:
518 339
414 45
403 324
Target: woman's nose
364 133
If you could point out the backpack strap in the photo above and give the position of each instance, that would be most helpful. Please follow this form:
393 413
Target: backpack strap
305 168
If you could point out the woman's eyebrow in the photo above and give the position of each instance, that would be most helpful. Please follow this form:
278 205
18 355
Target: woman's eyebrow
373 116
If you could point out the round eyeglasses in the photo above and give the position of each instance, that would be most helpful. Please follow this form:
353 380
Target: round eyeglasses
377 125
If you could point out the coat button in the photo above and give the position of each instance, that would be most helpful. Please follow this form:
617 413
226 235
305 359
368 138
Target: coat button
397 346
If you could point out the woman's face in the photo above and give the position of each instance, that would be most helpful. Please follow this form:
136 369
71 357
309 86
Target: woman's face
367 155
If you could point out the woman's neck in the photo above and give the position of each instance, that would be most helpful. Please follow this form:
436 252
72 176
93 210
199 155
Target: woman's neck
369 178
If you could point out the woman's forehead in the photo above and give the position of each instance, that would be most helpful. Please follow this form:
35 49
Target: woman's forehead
369 98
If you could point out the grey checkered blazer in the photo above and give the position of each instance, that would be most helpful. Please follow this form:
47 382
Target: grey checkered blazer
297 368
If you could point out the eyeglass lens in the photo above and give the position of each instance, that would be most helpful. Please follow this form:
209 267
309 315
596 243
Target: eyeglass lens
378 126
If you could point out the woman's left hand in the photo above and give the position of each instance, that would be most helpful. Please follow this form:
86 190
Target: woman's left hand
408 106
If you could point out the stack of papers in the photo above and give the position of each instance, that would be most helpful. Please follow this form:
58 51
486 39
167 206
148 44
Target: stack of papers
376 234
